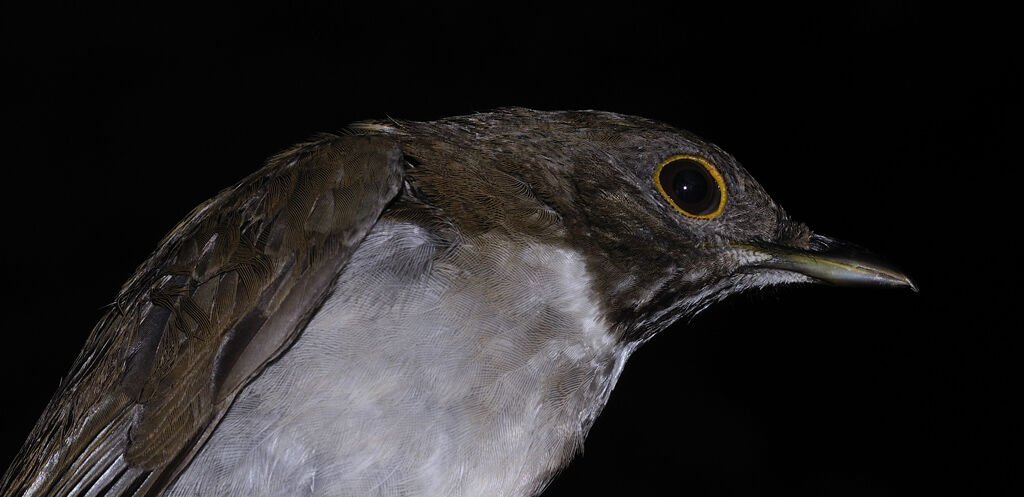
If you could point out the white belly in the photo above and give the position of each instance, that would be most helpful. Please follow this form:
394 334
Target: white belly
468 372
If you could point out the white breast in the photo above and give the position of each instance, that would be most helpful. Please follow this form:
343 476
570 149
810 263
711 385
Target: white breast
470 371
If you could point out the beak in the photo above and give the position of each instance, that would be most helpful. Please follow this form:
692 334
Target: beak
827 260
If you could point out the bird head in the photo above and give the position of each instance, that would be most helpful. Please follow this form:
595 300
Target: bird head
668 223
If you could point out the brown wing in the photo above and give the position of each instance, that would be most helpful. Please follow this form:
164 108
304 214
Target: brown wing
226 291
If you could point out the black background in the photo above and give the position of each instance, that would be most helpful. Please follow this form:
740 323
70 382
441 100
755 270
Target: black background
885 123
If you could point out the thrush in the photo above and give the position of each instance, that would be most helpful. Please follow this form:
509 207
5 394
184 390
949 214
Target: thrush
412 308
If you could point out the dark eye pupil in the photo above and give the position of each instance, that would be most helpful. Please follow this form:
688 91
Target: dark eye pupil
690 186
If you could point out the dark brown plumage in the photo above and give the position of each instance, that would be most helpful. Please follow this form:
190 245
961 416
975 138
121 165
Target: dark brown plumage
245 270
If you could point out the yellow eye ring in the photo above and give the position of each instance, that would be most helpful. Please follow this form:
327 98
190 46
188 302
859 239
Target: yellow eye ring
692 185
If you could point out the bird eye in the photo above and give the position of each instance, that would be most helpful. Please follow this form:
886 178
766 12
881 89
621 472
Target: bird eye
692 185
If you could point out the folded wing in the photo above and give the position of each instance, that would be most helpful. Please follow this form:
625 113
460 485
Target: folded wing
227 290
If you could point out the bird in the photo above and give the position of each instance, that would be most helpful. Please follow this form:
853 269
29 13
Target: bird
407 308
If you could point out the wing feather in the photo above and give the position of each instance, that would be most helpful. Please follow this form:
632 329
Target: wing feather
227 290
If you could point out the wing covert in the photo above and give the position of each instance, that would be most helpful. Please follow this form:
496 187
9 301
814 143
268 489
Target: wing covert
227 290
